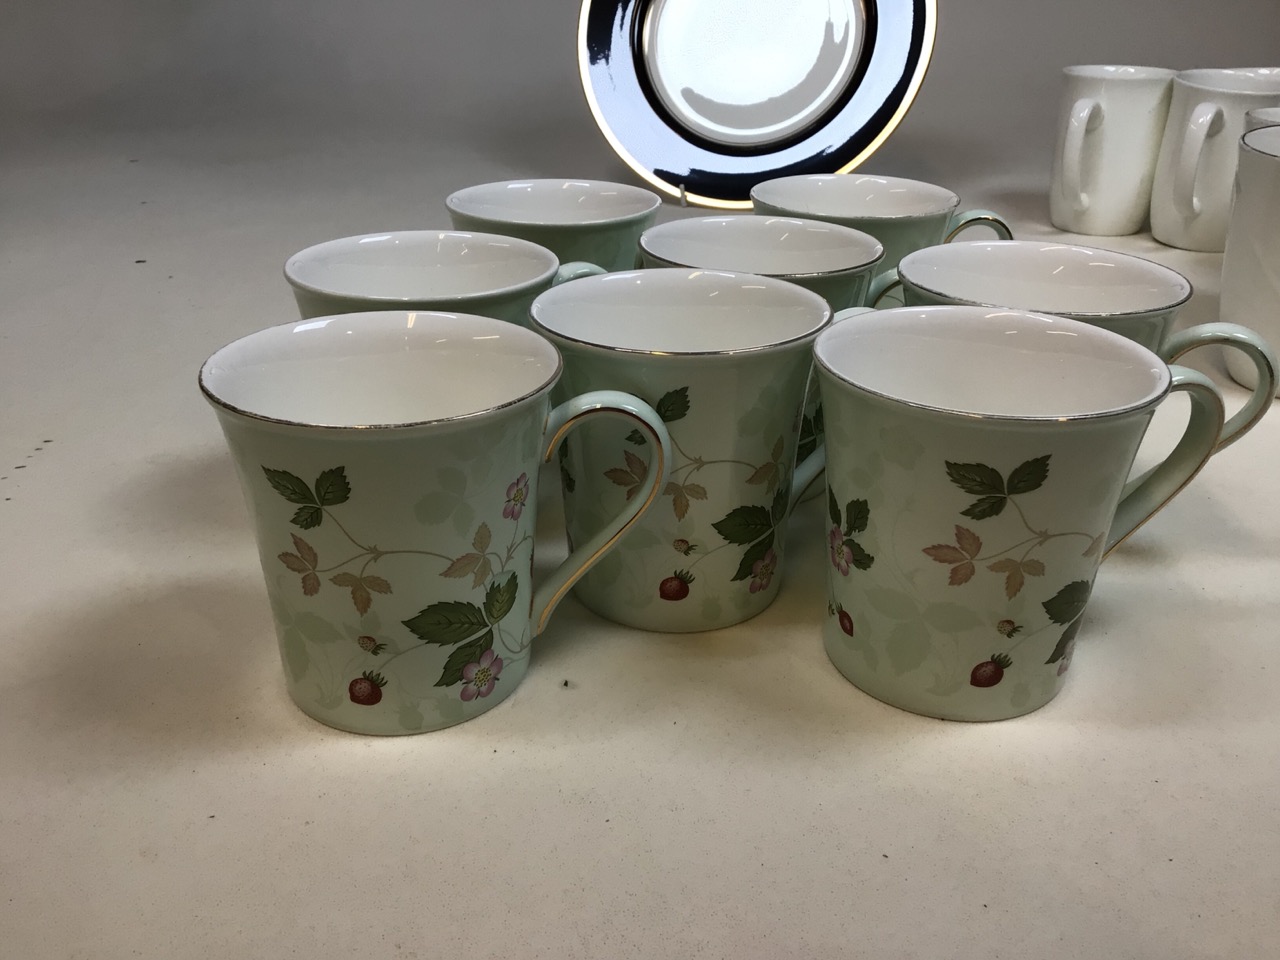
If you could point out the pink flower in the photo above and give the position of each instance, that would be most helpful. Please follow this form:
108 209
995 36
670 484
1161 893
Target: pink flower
762 571
478 678
841 555
517 497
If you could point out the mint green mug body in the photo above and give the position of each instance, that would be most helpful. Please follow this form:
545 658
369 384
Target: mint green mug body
1136 298
390 462
450 270
976 474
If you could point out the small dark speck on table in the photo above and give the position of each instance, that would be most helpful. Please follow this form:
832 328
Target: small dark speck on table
139 261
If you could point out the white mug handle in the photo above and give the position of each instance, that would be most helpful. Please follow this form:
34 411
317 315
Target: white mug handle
1206 120
1085 115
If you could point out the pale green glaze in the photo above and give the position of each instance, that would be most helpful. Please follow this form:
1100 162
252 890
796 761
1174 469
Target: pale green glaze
611 245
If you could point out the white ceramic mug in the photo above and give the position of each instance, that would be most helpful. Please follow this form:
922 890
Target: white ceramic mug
1112 118
1251 263
1261 117
1191 193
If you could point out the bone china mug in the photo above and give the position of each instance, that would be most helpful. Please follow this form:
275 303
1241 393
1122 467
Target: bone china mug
976 461
450 270
904 215
1191 194
724 358
1130 296
591 220
1251 263
390 464
1109 129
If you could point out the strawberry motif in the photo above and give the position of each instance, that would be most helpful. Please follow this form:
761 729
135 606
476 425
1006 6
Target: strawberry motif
366 689
682 546
846 621
676 586
1007 628
370 645
990 672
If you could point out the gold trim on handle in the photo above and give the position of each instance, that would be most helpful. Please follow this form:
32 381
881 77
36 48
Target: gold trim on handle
661 462
981 219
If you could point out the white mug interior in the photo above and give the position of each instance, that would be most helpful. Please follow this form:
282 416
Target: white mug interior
383 369
978 361
413 265
773 246
1101 71
855 196
1045 277
672 310
1247 80
549 202
1262 117
1263 140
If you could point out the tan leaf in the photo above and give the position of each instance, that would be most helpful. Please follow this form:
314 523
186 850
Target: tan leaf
295 563
777 450
969 541
305 551
639 469
680 503
763 473
482 538
377 584
695 491
482 572
1033 568
310 585
1003 566
961 573
621 477
464 566
946 553
360 597
671 489
345 580
1013 582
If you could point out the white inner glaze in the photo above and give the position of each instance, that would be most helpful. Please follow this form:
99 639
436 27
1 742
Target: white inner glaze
1002 363
553 202
854 195
420 265
1236 79
680 311
1045 277
1098 71
1264 139
389 368
776 246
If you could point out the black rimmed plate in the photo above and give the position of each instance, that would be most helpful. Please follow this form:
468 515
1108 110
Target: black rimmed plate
706 98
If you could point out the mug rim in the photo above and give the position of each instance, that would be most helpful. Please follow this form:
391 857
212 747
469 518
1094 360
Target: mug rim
220 403
1269 132
1217 79
1100 71
808 223
953 203
1152 265
417 236
971 313
663 275
651 202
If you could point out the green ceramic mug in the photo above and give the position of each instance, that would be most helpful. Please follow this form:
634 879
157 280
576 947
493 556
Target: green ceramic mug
450 270
724 358
591 220
976 476
1130 296
390 462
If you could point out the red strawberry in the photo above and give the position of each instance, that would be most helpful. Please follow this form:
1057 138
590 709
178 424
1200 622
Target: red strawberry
370 645
675 587
990 672
366 689
846 621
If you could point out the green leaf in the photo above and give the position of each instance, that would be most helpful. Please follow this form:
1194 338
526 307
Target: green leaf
307 517
500 598
907 647
332 487
809 436
1068 603
290 487
1028 476
950 617
1064 642
976 478
860 559
316 629
833 508
856 515
744 524
636 437
778 510
447 622
754 552
566 479
893 604
295 652
984 508
463 655
674 405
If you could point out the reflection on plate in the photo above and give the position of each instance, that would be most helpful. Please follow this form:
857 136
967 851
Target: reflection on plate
706 98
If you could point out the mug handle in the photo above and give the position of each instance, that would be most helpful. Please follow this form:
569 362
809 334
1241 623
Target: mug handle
975 218
1252 346
1143 498
881 284
1085 115
574 270
560 422
1206 120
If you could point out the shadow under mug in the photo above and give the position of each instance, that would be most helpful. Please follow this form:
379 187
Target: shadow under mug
1136 298
977 464
725 359
390 463
451 270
